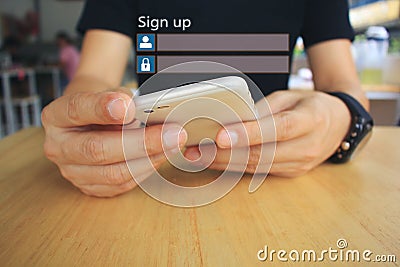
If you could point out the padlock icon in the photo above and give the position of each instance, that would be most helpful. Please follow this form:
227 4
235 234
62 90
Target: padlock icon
145 65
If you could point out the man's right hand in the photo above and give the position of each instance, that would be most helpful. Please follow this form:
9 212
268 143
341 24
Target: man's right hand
84 139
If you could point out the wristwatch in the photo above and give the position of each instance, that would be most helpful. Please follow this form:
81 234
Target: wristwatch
360 129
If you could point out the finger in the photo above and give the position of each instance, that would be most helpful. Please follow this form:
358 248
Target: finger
89 108
107 147
279 101
224 167
253 169
261 156
108 190
282 126
287 170
290 169
135 124
303 150
113 174
291 159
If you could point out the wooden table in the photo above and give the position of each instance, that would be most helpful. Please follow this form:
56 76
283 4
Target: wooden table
47 222
383 88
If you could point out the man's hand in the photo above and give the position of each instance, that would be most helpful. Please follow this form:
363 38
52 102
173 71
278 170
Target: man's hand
309 128
83 137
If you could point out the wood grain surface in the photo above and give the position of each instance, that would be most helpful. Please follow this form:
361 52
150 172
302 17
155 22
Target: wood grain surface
45 221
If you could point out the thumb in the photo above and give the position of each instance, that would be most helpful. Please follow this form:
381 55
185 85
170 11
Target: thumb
104 108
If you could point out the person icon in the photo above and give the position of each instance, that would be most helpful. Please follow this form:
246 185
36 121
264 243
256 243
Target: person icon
145 44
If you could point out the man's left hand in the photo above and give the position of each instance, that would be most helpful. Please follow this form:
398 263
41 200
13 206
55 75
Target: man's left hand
309 128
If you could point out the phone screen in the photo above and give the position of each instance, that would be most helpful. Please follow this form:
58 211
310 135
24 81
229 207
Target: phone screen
172 80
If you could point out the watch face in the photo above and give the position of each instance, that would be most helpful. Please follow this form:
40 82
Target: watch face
362 143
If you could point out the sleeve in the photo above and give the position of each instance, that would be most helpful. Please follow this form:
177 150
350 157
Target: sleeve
326 20
113 15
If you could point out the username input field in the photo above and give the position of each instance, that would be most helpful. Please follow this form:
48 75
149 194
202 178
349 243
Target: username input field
223 42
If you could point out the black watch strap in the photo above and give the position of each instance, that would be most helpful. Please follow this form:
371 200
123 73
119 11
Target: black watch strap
352 104
361 126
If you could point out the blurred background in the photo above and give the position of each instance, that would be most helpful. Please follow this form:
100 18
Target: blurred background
40 51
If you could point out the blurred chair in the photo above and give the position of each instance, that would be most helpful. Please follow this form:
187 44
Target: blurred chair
1 123
29 108
21 104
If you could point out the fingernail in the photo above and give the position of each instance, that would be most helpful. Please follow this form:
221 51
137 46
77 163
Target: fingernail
173 137
117 108
227 139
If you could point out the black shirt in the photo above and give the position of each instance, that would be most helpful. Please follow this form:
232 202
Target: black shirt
315 20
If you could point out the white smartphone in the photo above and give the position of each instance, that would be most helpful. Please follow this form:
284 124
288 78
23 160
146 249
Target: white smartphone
202 108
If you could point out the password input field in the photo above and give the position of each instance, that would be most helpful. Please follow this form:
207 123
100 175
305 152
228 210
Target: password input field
246 64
